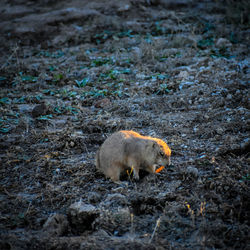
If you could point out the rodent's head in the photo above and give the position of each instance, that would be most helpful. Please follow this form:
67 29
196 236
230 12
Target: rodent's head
159 154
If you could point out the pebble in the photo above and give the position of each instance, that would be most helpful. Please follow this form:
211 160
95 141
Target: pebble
38 110
118 199
56 225
185 85
183 75
223 42
94 197
82 215
192 171
102 103
124 8
220 131
229 97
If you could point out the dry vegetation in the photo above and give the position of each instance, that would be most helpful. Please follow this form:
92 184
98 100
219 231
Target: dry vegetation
74 72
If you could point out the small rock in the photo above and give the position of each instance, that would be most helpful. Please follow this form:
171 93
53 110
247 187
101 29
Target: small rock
223 42
192 171
137 52
140 76
40 109
195 129
218 149
183 75
122 216
241 111
124 8
200 181
184 85
56 225
102 103
94 197
220 131
116 200
82 216
229 97
24 108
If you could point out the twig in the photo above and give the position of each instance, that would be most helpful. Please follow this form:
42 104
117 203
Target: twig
132 223
10 57
10 195
156 226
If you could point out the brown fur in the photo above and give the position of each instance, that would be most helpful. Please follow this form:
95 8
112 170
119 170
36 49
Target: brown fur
126 149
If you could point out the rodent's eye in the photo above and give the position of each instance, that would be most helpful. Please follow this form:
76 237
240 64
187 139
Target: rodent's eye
161 154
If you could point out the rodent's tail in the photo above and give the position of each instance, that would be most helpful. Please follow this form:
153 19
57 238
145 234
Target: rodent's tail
97 159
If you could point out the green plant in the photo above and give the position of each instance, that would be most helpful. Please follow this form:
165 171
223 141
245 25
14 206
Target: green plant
82 83
4 126
158 29
208 27
204 43
221 52
56 54
2 78
101 37
57 77
52 68
4 100
163 89
23 78
49 92
67 93
101 61
27 78
45 117
126 33
160 76
7 121
96 93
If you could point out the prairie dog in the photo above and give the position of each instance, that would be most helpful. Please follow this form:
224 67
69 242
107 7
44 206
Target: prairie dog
126 149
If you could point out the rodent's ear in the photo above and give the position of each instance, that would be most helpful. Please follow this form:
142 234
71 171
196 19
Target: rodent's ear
154 144
150 145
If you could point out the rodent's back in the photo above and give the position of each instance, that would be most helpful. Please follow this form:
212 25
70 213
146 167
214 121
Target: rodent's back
112 149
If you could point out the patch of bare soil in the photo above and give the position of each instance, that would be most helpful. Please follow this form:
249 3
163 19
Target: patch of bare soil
73 72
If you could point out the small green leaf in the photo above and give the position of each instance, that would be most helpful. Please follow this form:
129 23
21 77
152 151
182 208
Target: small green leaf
27 78
44 117
58 77
5 100
5 130
2 78
82 82
202 44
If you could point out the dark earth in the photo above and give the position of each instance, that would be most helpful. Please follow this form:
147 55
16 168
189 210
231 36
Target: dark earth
74 72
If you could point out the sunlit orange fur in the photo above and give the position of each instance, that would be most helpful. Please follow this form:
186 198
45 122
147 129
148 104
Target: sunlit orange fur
164 146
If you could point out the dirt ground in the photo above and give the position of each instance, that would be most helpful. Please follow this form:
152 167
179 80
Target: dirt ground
74 72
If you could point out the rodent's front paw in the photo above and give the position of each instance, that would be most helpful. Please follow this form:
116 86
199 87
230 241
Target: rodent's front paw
136 177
